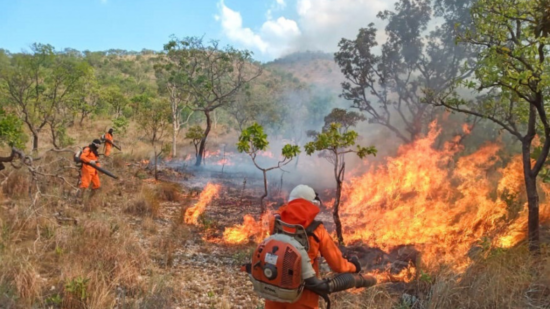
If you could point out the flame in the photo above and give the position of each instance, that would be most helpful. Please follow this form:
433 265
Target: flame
440 201
427 198
206 196
241 234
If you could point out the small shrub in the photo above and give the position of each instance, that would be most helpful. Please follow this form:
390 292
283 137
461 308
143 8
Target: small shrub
75 293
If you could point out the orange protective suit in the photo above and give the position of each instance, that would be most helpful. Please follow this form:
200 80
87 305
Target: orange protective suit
301 211
89 173
108 143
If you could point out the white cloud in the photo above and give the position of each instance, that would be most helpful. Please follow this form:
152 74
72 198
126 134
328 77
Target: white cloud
271 39
232 24
320 25
281 3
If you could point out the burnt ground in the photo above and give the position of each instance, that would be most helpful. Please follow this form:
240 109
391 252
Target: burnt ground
208 269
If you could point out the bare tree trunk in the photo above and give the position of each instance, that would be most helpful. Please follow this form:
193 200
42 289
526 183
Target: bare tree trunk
263 208
174 106
203 140
532 199
175 129
339 175
156 159
215 119
34 141
54 137
531 183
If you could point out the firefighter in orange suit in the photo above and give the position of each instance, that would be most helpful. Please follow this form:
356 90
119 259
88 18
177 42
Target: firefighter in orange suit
301 209
108 140
90 174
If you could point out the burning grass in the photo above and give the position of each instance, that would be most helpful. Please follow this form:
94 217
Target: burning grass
192 214
442 205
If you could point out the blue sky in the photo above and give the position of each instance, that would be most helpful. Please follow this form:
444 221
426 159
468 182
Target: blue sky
270 28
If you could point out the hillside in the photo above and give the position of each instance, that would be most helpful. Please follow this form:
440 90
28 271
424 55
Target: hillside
315 68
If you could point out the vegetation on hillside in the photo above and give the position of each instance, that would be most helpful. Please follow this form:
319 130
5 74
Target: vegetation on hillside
455 215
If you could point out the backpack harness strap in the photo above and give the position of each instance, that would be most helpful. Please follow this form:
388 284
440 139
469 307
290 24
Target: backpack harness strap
311 229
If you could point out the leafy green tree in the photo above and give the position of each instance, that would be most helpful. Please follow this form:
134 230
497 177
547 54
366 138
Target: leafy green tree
87 99
11 130
114 97
251 141
211 75
39 83
154 120
333 143
344 118
121 124
195 134
513 72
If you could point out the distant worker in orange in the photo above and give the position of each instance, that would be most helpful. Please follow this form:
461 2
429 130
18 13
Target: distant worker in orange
302 207
89 174
108 140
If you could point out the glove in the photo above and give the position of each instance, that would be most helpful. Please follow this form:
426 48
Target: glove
355 261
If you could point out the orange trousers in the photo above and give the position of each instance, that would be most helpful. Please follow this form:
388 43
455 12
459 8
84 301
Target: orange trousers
108 149
308 300
87 176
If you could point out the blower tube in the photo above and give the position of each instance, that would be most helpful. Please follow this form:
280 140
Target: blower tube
113 144
339 283
104 171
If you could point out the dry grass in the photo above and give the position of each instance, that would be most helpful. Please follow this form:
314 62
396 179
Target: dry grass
511 278
146 203
105 256
170 192
17 185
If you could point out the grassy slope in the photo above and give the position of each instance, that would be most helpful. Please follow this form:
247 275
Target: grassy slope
129 248
311 68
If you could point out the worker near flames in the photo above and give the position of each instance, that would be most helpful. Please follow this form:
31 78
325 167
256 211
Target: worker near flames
90 174
108 140
302 208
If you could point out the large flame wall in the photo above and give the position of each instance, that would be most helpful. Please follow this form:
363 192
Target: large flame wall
427 198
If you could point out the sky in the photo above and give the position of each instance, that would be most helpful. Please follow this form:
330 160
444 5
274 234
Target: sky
269 28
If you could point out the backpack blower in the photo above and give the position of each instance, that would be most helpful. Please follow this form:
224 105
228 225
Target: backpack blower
77 160
281 268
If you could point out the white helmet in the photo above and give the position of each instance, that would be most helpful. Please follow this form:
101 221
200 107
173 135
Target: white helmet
306 193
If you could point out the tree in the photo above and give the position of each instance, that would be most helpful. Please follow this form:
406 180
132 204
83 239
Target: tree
154 121
513 73
344 118
11 130
251 141
114 97
334 142
171 82
211 75
86 100
195 134
37 84
387 86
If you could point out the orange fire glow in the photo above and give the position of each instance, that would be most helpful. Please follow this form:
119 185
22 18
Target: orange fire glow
241 234
192 214
427 198
436 198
